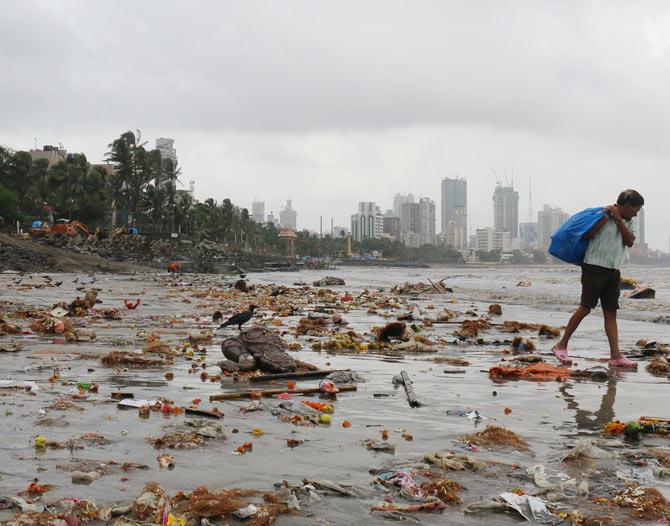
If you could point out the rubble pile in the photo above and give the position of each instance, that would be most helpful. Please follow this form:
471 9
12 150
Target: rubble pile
19 259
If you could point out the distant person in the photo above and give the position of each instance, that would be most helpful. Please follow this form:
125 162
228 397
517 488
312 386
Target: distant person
173 267
600 274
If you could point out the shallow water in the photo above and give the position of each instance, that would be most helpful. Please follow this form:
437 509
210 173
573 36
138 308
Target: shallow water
549 415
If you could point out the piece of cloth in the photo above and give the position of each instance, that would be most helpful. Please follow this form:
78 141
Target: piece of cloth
600 283
606 249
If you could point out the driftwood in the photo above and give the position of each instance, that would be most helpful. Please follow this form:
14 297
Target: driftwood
403 379
263 347
288 376
645 293
273 392
439 287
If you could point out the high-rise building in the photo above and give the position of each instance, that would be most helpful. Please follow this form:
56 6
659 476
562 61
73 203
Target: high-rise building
398 201
455 235
454 211
528 233
417 223
166 147
368 222
272 220
409 217
548 220
506 210
427 219
638 225
288 218
391 225
258 211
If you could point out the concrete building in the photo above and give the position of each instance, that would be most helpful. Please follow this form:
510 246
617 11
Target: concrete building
454 215
53 154
417 223
427 219
409 217
638 225
258 211
391 227
488 239
398 201
548 220
455 235
272 220
288 218
528 235
506 210
166 147
368 222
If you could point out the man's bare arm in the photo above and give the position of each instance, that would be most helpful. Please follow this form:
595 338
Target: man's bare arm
627 236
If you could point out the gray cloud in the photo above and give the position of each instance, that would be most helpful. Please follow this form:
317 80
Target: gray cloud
350 100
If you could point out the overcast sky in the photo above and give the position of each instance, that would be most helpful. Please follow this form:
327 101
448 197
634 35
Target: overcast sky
331 103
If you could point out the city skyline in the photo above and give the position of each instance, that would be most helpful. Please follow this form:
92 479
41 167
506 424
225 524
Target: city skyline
532 96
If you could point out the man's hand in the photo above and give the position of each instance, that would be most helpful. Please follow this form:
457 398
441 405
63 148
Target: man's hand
613 211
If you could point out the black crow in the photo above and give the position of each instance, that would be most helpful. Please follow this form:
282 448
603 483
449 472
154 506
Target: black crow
238 319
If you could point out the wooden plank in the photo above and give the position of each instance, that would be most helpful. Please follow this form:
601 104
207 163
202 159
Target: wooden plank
238 395
409 390
290 376
209 413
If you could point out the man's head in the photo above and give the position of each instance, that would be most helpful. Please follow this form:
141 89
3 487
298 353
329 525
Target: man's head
629 203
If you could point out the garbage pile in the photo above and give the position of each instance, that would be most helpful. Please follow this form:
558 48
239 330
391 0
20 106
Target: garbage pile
401 405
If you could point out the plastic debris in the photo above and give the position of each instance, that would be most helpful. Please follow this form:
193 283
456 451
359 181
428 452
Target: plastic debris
530 508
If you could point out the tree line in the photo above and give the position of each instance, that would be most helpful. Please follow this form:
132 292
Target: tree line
137 187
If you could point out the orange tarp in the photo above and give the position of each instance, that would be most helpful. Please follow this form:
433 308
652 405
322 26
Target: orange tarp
537 371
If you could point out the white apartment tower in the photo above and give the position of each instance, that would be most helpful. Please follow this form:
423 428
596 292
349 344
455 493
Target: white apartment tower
368 222
548 220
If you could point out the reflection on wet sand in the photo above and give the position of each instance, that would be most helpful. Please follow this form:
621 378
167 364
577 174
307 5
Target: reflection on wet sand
592 420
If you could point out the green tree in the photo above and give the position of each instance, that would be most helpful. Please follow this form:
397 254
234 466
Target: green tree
490 256
121 154
9 205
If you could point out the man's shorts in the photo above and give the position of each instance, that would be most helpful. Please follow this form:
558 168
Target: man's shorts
600 283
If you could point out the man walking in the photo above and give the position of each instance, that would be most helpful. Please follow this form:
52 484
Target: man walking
600 274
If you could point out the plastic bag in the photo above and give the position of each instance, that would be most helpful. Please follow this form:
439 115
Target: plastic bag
567 243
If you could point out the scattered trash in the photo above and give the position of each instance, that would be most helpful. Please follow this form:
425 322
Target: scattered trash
496 437
80 477
328 281
403 379
495 309
530 508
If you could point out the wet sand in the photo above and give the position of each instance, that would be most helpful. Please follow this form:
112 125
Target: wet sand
550 416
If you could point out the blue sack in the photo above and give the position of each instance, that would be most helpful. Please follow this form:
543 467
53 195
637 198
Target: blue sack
567 243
